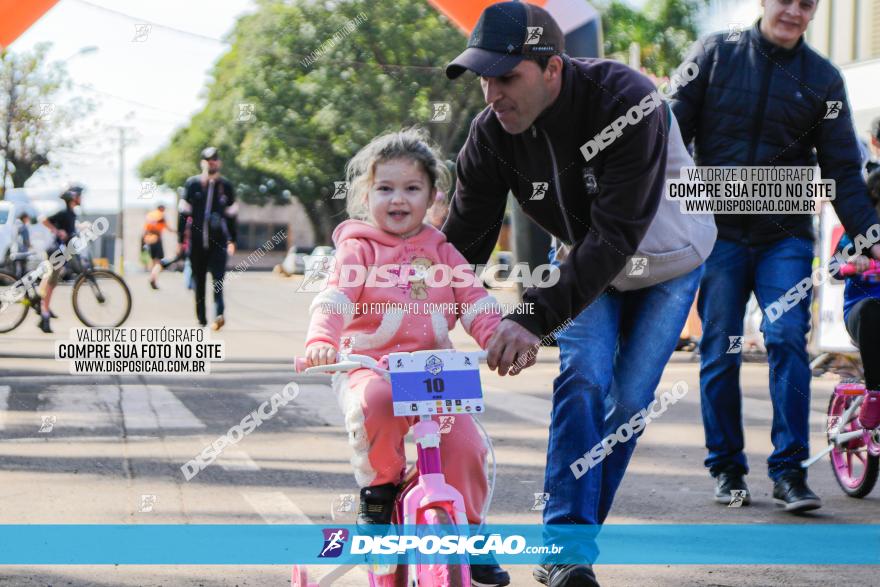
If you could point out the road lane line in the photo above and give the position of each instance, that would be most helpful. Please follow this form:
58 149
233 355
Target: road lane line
153 407
4 405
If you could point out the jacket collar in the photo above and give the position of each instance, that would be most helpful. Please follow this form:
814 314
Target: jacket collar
770 48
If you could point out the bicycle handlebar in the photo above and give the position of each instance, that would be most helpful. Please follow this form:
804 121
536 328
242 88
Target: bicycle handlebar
849 269
351 362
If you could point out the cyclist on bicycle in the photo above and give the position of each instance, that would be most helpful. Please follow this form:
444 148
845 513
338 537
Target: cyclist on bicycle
399 306
861 310
63 226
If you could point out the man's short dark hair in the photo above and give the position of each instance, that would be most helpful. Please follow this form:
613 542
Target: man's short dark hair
541 60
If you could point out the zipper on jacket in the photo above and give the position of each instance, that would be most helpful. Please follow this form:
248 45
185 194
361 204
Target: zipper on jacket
558 189
759 119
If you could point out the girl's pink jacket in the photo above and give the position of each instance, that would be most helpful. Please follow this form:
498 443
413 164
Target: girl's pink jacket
387 294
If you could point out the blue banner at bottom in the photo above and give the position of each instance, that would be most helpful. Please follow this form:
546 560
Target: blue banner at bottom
223 544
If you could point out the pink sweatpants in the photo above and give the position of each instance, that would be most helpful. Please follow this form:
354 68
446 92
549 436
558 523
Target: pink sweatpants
377 437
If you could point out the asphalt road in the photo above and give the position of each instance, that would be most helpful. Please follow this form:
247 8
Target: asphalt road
108 441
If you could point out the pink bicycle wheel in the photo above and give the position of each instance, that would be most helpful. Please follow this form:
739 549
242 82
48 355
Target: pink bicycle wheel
442 575
854 467
299 577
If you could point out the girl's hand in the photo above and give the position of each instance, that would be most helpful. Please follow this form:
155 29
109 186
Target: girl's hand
861 262
320 353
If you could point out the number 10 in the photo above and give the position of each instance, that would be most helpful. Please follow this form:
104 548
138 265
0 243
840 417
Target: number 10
435 385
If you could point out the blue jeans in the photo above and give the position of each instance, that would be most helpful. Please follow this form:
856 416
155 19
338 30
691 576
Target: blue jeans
611 360
733 271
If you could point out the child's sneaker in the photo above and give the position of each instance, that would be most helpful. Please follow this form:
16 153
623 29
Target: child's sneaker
377 505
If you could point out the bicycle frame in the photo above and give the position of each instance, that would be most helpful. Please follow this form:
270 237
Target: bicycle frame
423 489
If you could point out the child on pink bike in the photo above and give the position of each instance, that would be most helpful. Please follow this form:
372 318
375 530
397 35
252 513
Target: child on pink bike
385 294
861 312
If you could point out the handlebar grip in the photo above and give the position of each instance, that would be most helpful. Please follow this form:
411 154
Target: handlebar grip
848 269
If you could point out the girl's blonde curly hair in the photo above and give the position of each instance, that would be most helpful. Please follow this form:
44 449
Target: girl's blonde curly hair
410 143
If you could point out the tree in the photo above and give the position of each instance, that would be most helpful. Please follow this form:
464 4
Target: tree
321 79
34 120
664 31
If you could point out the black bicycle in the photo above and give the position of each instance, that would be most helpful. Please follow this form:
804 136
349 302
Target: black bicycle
101 298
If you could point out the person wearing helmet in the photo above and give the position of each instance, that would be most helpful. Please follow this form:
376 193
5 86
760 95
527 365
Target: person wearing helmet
63 226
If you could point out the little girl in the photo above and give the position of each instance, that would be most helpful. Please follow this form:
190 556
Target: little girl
393 181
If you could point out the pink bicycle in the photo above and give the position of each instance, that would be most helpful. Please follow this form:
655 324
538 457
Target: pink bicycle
853 426
430 385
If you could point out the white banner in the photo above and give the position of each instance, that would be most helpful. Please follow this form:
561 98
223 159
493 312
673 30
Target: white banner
831 334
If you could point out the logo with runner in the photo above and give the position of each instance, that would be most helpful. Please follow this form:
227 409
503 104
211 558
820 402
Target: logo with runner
833 108
734 32
47 423
737 498
541 500
638 267
440 112
533 34
736 345
434 365
539 190
334 541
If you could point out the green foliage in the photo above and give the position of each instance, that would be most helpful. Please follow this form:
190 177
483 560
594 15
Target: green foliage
34 121
323 79
664 31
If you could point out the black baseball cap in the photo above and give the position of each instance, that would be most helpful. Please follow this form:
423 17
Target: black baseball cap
210 153
72 191
507 33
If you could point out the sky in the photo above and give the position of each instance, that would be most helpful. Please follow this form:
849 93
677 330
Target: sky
151 80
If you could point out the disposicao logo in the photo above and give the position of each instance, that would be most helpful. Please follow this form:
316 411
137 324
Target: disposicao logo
334 542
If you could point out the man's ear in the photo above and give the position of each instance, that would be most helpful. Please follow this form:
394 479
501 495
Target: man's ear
554 66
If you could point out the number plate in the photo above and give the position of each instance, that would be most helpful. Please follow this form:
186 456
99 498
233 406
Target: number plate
435 382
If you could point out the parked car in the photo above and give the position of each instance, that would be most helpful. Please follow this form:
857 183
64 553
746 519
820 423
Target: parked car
317 257
294 262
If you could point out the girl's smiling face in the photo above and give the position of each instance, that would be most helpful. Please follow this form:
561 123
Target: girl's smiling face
399 197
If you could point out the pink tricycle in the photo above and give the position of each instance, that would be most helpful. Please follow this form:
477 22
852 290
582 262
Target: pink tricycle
424 384
853 426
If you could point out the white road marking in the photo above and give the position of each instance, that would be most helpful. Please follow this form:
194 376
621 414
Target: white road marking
152 407
4 404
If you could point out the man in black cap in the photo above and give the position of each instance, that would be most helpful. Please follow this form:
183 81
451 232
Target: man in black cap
582 145
209 203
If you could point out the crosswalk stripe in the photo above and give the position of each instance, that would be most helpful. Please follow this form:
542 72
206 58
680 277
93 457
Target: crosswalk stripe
143 407
316 400
82 406
276 508
4 404
150 407
522 405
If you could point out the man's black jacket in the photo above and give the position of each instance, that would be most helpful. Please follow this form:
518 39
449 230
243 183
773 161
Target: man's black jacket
603 205
755 103
224 208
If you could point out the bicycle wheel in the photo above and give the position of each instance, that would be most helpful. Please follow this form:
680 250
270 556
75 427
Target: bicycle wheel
13 314
855 469
101 298
441 574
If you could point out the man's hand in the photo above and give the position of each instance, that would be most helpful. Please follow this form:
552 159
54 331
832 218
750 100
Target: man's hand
230 249
861 262
511 343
